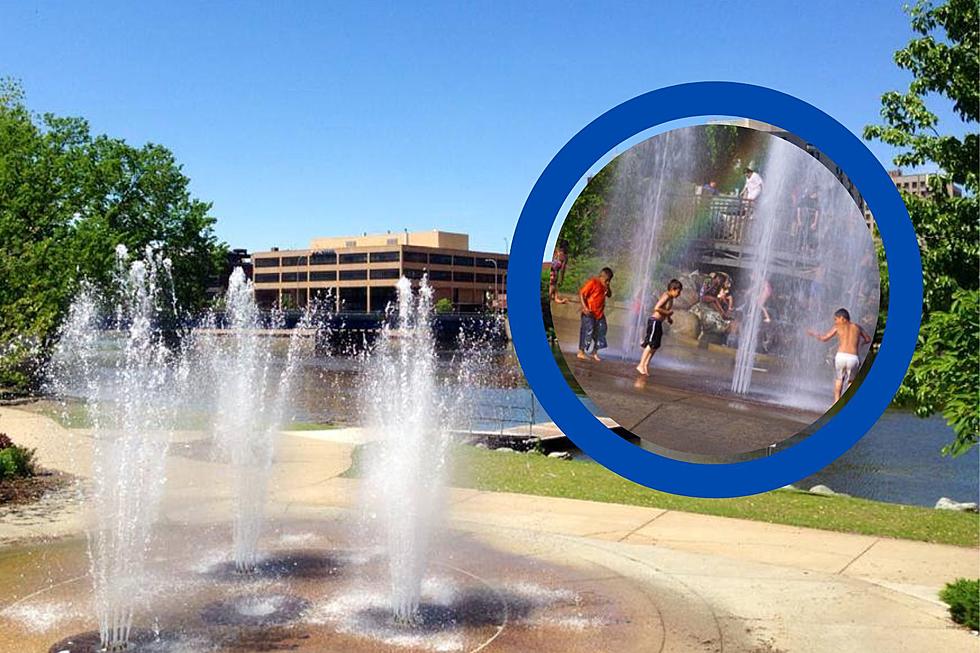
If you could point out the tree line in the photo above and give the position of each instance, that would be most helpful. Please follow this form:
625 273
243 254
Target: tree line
67 199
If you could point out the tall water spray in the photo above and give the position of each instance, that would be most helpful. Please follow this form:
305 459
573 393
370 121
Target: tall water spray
407 413
649 183
807 273
131 379
764 219
251 398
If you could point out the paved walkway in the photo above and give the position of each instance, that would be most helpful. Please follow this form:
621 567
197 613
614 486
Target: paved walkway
795 589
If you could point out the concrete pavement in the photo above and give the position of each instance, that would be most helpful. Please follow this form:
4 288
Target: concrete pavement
793 589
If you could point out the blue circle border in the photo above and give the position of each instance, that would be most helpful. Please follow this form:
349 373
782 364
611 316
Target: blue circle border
701 99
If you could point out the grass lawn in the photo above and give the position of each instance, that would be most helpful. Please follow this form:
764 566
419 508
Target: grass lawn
483 469
310 426
74 415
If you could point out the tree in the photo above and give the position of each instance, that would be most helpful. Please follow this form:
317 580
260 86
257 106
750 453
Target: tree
582 222
66 200
944 60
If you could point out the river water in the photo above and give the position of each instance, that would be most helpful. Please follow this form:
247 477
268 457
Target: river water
899 461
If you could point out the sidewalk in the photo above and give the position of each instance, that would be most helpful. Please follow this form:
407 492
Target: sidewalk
801 589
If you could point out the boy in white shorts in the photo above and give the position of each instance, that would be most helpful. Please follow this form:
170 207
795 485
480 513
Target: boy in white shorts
849 337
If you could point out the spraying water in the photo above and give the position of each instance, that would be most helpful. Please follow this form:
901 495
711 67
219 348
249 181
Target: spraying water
252 395
813 254
406 411
648 187
801 251
132 407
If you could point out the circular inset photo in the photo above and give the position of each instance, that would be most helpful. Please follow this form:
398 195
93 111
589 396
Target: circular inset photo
714 291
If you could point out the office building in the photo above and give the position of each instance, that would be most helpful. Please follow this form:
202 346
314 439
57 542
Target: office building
359 273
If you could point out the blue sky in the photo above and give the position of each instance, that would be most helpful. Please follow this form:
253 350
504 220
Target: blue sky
304 119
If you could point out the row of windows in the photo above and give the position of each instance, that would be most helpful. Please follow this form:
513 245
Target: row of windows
331 258
325 275
360 275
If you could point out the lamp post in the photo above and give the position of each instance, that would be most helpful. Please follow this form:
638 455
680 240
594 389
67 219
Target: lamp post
496 293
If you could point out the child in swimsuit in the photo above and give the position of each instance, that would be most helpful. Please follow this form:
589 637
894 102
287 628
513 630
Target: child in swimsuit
850 337
558 265
662 310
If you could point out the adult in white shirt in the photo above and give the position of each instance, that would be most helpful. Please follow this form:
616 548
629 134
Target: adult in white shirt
753 185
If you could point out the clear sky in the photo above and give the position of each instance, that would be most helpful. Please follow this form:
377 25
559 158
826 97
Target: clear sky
304 119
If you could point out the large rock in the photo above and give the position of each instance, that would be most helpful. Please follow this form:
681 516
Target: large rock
945 503
689 295
825 491
560 455
685 324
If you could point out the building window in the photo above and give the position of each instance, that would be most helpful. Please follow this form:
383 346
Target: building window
384 257
323 258
289 277
487 278
266 262
412 273
293 261
266 278
465 261
350 243
466 277
440 275
323 275
385 274
353 258
416 257
502 264
353 275
440 259
484 263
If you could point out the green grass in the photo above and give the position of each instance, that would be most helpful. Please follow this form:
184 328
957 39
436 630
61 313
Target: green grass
310 426
75 415
536 474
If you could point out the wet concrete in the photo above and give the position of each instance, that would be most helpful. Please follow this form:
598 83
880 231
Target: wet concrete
475 595
684 408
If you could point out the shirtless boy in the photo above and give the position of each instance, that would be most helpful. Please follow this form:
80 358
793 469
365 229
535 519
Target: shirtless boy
850 336
662 311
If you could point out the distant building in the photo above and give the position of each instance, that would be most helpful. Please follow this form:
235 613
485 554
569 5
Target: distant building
918 184
360 272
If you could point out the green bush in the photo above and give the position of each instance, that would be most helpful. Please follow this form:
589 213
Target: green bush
444 305
16 462
963 597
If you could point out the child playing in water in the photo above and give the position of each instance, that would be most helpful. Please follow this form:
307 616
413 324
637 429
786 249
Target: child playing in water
849 337
592 334
662 310
558 265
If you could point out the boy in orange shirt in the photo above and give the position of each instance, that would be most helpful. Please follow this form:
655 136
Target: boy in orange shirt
592 295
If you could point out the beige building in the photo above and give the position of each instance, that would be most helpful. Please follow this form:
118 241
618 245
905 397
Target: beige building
360 272
918 184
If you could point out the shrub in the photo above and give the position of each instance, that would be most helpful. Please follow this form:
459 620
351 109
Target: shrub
16 462
5 441
444 305
963 597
